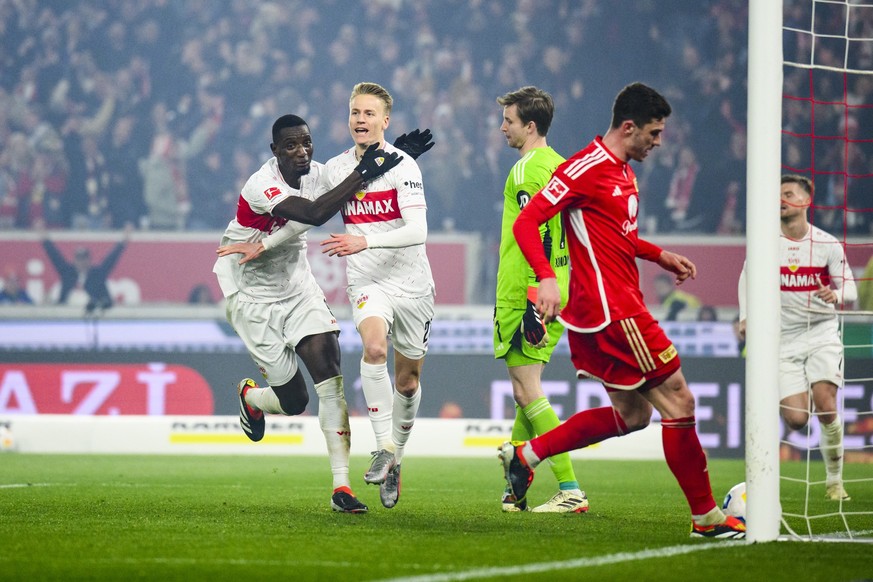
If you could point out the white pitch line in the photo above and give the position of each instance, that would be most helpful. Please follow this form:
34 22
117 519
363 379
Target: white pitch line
540 567
21 485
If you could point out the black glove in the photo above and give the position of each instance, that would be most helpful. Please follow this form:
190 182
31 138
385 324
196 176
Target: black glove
414 143
532 328
376 162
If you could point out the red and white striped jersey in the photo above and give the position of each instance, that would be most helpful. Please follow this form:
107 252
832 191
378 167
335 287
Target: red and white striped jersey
403 271
817 258
278 273
598 195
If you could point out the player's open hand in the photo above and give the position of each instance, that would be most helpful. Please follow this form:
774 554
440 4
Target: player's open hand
415 142
340 245
826 294
249 251
681 266
376 162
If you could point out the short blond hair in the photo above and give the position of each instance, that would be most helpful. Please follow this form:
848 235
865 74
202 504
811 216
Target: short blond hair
377 91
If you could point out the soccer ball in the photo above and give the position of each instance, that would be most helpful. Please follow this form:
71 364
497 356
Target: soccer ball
735 502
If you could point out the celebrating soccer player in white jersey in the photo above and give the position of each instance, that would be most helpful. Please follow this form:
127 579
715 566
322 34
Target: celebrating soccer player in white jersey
391 288
272 300
815 278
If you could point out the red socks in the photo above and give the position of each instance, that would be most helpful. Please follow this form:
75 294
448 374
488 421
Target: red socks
580 430
687 461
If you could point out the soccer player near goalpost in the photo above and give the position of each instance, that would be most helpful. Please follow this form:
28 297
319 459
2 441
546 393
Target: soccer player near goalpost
613 337
815 277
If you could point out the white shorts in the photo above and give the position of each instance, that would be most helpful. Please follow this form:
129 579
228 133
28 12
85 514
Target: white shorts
408 318
807 358
270 331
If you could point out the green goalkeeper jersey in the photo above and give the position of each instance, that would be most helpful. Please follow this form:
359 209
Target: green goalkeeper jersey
514 275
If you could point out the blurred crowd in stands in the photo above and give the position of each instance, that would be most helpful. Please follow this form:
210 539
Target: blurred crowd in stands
153 113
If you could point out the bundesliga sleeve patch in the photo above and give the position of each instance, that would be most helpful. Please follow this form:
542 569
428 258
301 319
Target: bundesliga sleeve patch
555 190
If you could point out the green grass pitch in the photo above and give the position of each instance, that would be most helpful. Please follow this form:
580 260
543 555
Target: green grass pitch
114 517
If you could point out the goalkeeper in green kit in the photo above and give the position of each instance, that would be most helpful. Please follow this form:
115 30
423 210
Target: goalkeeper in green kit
520 338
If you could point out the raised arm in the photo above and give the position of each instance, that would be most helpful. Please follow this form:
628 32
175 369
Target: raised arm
374 163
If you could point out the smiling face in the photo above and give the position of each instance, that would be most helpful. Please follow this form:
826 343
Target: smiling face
293 150
367 120
643 140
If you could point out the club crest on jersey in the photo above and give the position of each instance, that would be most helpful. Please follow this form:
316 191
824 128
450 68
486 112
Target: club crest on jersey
555 190
361 300
360 195
793 263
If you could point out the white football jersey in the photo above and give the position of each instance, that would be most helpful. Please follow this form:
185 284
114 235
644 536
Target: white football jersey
405 271
816 258
279 272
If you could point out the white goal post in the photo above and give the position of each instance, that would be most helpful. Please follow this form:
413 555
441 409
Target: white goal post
762 269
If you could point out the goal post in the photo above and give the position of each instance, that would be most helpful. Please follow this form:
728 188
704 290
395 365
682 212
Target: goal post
764 151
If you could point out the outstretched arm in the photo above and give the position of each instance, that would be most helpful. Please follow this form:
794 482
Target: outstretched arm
374 163
317 212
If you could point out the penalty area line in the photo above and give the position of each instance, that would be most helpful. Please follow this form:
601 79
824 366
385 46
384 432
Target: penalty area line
540 567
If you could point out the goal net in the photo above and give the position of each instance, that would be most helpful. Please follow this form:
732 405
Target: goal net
827 136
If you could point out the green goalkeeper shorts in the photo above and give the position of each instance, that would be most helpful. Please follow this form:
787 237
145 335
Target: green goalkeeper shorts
509 345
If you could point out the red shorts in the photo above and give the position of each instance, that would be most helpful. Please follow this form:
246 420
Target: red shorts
629 354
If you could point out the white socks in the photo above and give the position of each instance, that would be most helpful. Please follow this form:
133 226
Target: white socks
378 393
264 399
333 416
405 409
831 443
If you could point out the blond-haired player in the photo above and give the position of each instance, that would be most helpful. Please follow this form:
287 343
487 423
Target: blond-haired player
390 285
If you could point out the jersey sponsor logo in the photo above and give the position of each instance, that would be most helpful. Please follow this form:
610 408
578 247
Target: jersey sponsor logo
415 185
555 190
373 207
633 207
801 279
668 354
272 192
617 191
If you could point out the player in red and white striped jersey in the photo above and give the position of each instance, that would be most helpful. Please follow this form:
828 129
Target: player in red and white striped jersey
613 337
814 277
391 288
273 301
